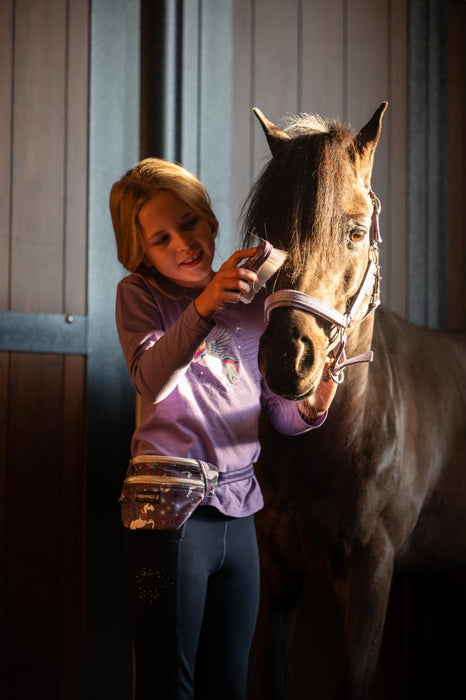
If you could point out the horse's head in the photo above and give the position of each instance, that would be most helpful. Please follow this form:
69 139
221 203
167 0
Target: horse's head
314 200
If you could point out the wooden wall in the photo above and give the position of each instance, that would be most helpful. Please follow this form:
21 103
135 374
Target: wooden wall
69 113
457 161
43 240
339 60
43 137
42 477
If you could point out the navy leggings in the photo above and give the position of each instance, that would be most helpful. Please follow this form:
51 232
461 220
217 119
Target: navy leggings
195 598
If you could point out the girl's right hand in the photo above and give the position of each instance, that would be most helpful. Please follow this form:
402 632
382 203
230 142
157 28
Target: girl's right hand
227 285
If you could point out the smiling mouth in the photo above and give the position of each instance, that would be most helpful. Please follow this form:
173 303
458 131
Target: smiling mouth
192 259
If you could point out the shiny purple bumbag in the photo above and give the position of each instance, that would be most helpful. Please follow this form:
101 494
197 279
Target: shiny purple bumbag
160 493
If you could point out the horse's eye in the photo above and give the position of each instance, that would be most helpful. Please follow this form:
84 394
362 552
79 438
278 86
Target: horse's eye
356 235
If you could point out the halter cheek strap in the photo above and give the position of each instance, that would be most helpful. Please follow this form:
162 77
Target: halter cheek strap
369 287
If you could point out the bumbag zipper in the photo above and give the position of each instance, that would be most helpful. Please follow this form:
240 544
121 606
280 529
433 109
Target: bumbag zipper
149 479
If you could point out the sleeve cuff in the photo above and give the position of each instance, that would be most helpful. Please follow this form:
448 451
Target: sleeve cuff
314 422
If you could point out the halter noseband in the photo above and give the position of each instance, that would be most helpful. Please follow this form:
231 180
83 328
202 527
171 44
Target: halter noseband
370 286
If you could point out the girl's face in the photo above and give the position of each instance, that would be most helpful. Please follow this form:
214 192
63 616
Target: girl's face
177 241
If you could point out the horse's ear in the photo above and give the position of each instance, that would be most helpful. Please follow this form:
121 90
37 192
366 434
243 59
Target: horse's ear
275 136
366 142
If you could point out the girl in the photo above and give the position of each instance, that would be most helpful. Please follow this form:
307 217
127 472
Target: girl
191 350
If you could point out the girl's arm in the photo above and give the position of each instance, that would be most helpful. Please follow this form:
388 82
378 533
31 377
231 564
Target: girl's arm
158 358
285 415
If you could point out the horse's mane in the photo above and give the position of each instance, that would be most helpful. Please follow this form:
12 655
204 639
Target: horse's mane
296 202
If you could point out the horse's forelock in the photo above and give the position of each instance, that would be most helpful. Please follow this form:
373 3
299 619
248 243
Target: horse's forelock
299 124
296 202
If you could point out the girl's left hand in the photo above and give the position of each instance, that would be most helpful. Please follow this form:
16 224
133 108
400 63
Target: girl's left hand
315 405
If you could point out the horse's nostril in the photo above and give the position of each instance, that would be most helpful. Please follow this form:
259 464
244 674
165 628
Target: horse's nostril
304 355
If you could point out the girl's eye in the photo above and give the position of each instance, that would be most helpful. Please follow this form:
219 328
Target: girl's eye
161 240
190 223
356 235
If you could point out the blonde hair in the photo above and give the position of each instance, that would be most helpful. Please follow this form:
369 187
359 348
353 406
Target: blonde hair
129 194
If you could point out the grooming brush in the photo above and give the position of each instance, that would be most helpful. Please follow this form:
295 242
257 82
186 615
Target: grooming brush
265 262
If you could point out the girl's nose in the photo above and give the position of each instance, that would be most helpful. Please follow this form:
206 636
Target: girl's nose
183 241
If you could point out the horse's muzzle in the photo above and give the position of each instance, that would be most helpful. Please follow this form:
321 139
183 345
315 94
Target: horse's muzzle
289 359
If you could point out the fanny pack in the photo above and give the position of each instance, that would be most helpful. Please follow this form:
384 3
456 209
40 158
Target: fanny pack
160 493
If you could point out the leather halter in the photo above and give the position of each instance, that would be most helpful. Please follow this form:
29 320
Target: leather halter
369 287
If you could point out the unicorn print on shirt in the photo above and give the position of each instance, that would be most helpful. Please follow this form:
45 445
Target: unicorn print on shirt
217 345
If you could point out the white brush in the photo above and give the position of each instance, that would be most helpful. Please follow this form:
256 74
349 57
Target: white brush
265 262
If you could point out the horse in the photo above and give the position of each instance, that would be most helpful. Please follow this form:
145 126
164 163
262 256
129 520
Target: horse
381 485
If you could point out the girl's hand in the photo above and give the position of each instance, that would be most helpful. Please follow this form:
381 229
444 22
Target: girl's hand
315 405
227 285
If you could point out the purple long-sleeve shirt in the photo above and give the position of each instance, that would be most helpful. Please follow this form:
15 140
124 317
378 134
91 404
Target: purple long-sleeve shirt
200 384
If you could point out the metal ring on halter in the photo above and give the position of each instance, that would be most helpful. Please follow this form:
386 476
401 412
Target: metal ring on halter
338 377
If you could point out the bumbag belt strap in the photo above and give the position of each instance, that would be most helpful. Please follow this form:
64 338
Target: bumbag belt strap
236 475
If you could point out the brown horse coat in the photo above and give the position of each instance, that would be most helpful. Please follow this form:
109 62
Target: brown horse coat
383 482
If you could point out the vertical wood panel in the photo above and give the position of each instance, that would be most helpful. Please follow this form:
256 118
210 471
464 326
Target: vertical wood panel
3 455
266 55
42 487
38 145
395 234
3 422
243 120
32 522
215 113
323 32
43 130
77 86
6 48
161 40
275 78
71 532
367 58
428 164
207 106
114 140
457 171
191 86
367 85
437 152
418 171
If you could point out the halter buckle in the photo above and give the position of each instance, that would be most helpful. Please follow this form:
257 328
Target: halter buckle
338 375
